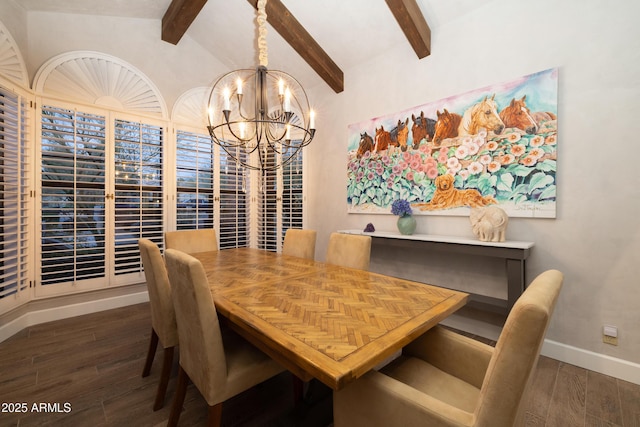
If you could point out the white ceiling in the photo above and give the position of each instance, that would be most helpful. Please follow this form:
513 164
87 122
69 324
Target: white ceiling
350 31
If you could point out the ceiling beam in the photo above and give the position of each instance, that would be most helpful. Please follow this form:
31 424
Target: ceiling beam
179 15
412 22
301 41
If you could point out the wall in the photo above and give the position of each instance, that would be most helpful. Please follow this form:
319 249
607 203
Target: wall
595 239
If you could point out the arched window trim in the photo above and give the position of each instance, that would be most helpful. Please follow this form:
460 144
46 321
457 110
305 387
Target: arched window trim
12 64
99 79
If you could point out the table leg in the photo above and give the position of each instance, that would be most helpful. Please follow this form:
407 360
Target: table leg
298 390
515 280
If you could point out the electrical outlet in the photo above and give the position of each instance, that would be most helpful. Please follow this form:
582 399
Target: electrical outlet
610 335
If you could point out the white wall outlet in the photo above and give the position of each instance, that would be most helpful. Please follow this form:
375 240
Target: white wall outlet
610 334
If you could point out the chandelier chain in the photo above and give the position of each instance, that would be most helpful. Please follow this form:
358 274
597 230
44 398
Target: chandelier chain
262 33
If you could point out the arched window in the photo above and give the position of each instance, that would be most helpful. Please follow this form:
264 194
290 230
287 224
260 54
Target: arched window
102 160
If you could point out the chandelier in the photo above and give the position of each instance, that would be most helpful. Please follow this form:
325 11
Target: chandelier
259 117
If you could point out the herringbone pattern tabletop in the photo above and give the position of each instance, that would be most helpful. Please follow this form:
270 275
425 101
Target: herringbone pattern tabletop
331 322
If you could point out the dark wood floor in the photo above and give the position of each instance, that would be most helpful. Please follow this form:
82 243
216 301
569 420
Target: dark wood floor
93 364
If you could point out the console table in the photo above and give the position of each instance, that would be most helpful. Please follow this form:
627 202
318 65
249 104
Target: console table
513 252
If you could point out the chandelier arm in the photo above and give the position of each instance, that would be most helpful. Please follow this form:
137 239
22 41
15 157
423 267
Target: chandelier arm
245 118
271 136
224 141
241 140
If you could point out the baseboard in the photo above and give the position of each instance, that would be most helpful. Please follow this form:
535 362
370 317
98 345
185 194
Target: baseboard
614 367
71 310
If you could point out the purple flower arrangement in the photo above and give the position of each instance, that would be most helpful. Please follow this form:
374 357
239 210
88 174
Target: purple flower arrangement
401 207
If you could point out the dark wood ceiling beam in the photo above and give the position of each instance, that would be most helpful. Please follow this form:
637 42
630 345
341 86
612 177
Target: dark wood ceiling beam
178 17
412 22
301 41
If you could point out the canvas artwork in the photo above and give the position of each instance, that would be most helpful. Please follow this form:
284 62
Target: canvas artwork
491 146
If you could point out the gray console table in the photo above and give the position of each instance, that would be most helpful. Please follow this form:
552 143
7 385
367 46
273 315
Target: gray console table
514 253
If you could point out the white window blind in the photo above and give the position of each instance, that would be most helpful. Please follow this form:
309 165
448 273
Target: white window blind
14 195
292 194
138 191
234 207
194 181
73 196
280 206
268 206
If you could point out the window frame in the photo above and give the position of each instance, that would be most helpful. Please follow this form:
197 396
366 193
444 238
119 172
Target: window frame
24 265
111 279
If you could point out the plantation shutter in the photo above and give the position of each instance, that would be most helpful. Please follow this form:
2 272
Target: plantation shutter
73 196
234 207
280 206
14 198
268 206
138 191
194 172
292 194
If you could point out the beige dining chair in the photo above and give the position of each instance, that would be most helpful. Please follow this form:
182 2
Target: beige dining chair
299 243
446 379
219 362
192 241
163 318
349 250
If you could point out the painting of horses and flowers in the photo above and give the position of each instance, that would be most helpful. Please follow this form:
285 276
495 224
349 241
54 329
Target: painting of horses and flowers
495 145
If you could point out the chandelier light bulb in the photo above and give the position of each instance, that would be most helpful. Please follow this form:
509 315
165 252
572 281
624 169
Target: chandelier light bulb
287 100
226 95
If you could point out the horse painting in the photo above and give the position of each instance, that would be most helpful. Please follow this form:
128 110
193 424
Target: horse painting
517 115
488 146
366 144
446 126
422 128
483 115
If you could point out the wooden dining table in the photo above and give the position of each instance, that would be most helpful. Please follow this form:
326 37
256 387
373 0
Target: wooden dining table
321 320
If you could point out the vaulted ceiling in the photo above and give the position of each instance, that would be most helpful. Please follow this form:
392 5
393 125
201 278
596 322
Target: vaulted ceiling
181 13
312 40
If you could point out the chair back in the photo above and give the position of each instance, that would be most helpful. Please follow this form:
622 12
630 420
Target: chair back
163 316
192 241
349 250
201 348
516 352
300 243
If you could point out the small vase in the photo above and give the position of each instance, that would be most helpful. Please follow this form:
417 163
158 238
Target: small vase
406 224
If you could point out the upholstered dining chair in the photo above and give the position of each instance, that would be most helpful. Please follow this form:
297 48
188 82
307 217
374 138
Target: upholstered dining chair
300 243
163 318
446 379
349 250
192 241
219 362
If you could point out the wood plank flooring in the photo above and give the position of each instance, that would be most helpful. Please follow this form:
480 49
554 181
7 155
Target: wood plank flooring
93 363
